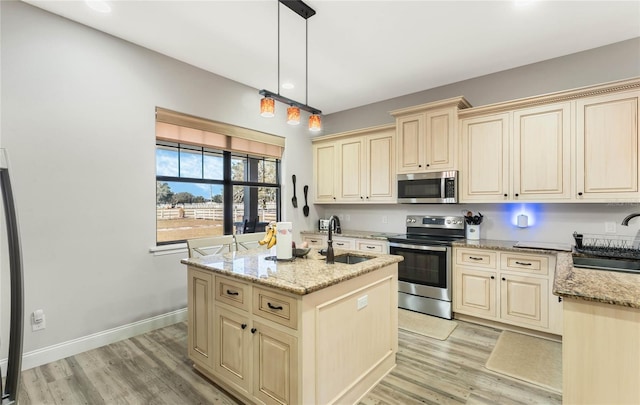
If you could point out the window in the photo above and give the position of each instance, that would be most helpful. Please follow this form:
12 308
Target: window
206 191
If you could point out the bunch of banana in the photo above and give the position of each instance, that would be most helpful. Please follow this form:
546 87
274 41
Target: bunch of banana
270 236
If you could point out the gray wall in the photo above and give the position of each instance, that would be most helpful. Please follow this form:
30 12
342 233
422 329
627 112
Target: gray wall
78 120
608 63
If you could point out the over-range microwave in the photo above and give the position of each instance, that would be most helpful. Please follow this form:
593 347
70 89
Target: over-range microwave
428 188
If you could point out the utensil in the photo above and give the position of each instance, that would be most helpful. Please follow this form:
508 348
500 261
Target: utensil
294 200
305 209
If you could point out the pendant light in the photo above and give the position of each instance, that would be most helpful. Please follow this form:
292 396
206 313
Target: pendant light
267 103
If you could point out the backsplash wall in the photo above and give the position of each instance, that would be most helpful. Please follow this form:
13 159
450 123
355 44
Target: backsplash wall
548 222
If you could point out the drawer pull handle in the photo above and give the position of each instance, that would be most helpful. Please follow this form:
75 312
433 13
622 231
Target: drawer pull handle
229 292
340 243
278 307
523 264
370 247
475 258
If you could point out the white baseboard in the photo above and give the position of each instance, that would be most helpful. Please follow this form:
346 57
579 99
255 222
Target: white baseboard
59 351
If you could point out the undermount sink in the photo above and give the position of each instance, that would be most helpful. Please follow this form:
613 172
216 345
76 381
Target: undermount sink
351 259
603 263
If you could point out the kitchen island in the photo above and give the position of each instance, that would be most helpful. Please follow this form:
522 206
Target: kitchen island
601 349
293 332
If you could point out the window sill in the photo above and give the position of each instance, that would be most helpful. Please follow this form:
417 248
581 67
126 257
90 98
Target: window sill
169 249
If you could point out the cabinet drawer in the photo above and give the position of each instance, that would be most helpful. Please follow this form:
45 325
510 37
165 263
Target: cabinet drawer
315 241
275 307
524 263
343 243
371 246
477 258
234 293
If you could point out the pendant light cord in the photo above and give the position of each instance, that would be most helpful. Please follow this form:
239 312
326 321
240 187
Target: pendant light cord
306 61
278 88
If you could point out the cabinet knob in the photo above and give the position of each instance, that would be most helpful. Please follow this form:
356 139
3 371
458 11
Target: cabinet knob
580 193
361 197
419 165
505 194
504 279
243 326
517 194
559 299
493 277
254 330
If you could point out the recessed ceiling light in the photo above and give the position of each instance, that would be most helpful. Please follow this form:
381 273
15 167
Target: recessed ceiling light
288 86
100 6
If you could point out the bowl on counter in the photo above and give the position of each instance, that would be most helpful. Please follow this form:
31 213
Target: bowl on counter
298 252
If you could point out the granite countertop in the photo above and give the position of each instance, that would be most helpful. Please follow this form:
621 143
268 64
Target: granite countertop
300 276
348 233
611 287
508 245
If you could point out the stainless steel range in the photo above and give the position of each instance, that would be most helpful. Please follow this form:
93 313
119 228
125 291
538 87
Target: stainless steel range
424 277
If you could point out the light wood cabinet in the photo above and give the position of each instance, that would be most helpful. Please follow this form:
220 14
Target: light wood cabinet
319 241
249 338
315 241
325 171
427 136
608 147
356 166
578 145
520 155
200 316
508 287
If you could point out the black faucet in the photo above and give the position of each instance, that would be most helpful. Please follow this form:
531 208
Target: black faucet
333 222
625 221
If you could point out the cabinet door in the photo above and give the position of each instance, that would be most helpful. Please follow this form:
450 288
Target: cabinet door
380 173
200 320
542 153
608 147
475 292
351 170
343 243
275 359
524 300
410 143
485 158
440 145
324 171
315 241
233 348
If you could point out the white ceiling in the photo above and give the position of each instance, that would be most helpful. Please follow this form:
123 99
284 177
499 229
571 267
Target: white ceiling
363 51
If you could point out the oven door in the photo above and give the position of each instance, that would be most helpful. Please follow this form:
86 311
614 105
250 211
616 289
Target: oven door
425 270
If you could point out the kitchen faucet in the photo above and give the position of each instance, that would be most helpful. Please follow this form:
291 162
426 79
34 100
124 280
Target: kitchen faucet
625 221
333 221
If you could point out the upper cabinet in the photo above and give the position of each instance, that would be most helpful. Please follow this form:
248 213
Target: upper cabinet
355 167
427 136
580 145
607 147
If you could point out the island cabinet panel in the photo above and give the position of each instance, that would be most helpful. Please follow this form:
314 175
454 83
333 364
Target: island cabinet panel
600 353
608 147
276 365
330 346
510 288
233 348
200 315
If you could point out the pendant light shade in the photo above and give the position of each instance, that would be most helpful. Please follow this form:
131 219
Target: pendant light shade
293 115
315 124
267 107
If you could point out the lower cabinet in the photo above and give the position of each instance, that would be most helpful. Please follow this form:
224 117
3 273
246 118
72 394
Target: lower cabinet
508 287
319 241
249 339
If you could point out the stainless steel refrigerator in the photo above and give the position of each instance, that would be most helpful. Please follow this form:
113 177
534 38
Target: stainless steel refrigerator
16 327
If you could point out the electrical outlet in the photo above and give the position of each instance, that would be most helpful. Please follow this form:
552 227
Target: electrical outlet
384 219
38 320
610 227
363 301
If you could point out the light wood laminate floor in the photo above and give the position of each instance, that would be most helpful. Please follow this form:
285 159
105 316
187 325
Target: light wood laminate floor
154 369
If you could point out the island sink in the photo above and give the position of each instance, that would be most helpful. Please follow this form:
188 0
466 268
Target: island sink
351 259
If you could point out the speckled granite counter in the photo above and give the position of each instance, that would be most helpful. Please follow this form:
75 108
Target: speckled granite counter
611 287
347 233
300 276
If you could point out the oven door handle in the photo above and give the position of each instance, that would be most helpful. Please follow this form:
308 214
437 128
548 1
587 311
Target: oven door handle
420 247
